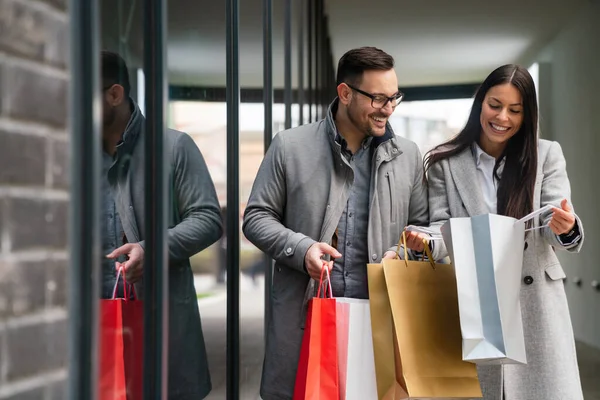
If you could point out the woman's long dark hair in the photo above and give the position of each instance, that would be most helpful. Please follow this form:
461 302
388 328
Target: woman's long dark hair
515 192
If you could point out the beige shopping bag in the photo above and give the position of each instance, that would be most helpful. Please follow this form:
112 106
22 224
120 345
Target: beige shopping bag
426 343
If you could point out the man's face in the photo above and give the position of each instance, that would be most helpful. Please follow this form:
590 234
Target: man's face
362 114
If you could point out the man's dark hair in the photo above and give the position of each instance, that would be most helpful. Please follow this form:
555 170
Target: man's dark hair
114 71
356 61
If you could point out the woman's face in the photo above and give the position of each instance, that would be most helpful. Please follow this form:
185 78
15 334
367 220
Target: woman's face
501 117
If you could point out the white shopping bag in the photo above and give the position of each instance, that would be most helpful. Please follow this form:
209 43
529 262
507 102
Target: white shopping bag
487 253
355 349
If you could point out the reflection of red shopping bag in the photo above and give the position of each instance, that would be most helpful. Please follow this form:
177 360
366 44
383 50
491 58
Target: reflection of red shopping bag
317 376
121 347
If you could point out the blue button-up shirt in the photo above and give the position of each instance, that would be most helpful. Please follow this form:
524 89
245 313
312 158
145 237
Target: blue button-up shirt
349 274
112 229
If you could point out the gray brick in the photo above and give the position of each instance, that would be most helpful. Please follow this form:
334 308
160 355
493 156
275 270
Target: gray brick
23 288
37 223
33 33
22 159
61 4
3 219
3 349
35 349
2 87
34 394
56 284
60 164
35 96
58 391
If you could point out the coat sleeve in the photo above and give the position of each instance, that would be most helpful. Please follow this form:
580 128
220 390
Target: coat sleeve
418 207
418 213
196 200
264 215
439 208
555 188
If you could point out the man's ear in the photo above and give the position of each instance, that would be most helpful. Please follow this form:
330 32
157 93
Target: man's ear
344 93
116 95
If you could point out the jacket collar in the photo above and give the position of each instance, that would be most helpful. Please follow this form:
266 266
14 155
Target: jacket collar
132 131
463 168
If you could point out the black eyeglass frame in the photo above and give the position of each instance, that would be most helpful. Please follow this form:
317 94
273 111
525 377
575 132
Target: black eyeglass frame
395 99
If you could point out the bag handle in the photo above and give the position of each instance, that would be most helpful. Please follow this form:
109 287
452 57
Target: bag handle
325 269
121 273
402 242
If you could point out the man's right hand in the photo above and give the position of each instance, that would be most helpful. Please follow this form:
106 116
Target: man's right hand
313 260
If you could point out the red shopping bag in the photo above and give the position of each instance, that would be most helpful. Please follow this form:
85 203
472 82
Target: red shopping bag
121 346
317 375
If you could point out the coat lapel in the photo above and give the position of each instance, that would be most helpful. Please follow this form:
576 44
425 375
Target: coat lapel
464 174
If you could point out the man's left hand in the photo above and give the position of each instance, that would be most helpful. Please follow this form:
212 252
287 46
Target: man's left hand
414 240
134 266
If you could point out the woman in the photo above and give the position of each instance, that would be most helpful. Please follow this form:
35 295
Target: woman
498 165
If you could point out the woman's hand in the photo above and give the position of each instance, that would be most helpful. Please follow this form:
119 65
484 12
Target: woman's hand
563 219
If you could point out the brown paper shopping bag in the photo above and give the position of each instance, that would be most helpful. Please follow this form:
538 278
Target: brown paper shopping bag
426 337
387 367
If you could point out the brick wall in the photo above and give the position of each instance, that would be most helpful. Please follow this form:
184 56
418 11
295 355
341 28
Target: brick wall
33 198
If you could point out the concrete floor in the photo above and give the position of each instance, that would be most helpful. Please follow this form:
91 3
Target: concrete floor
213 311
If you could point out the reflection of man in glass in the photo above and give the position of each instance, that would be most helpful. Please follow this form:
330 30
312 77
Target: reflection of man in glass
194 222
335 194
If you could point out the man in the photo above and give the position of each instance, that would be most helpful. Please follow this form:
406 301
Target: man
342 188
194 222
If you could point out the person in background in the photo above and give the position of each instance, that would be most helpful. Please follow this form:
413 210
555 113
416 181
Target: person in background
194 222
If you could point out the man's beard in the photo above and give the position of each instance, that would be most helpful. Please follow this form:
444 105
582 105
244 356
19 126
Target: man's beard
365 127
109 117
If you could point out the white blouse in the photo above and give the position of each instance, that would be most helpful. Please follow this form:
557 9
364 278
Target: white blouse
485 174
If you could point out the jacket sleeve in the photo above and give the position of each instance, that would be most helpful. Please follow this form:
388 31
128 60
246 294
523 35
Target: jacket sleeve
196 200
439 208
555 188
263 218
418 207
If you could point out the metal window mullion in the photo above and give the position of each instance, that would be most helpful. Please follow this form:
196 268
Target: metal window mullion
287 64
84 218
155 208
318 71
268 133
301 19
233 204
310 49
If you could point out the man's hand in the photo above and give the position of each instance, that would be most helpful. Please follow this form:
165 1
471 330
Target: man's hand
414 240
563 219
313 260
390 255
134 266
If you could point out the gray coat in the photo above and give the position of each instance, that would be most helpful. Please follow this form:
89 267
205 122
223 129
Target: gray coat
551 372
300 192
194 224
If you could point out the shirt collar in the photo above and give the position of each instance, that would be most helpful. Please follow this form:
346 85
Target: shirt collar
480 156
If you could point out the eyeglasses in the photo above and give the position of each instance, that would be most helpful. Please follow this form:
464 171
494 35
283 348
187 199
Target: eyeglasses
379 101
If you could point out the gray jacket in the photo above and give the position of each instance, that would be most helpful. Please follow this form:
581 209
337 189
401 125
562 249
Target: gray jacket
551 372
298 198
194 224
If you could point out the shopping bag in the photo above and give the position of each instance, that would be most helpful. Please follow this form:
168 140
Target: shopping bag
355 349
424 308
121 346
387 367
487 254
317 377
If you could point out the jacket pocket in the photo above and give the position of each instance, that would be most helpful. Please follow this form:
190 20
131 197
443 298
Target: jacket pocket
555 272
392 186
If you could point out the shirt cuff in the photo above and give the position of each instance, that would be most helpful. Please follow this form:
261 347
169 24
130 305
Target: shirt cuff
570 238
